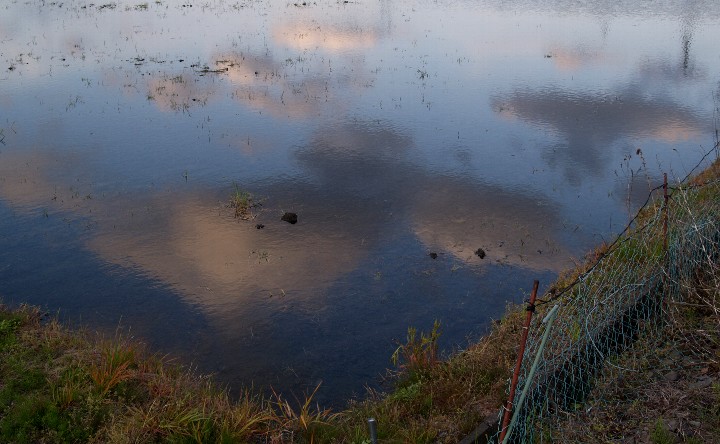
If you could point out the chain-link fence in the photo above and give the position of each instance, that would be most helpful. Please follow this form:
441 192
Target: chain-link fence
627 292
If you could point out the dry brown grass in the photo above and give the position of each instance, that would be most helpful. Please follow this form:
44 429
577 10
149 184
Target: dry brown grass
442 401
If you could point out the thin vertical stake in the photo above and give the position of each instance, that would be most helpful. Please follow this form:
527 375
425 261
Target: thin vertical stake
518 364
373 430
665 214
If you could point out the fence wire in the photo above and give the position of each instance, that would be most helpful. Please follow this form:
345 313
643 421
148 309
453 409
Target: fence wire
628 292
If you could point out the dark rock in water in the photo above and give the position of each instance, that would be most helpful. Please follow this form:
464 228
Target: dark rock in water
433 255
289 217
481 253
259 226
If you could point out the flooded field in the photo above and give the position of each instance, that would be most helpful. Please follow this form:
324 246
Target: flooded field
439 156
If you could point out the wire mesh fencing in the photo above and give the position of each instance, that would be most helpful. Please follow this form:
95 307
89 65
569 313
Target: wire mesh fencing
630 290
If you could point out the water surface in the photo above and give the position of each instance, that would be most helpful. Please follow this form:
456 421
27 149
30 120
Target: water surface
394 129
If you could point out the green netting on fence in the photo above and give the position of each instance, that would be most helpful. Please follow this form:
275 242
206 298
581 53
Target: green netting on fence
630 292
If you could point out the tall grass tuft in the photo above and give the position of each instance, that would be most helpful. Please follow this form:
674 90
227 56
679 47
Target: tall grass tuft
418 353
307 420
113 367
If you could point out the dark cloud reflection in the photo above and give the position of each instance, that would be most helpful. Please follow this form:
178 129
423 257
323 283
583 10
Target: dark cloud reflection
590 124
358 158
365 169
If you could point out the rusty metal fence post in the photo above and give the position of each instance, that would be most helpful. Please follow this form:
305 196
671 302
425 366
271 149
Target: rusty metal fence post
516 374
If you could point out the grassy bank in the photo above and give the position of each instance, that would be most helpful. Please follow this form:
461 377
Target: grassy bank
58 385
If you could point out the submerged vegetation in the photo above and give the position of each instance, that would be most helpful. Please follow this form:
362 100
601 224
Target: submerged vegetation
58 385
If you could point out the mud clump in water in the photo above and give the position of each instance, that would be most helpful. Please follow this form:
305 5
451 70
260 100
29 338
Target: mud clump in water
290 218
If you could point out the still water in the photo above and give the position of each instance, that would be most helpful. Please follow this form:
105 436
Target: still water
394 129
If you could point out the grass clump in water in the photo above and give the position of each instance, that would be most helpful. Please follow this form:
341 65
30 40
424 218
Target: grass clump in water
242 202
